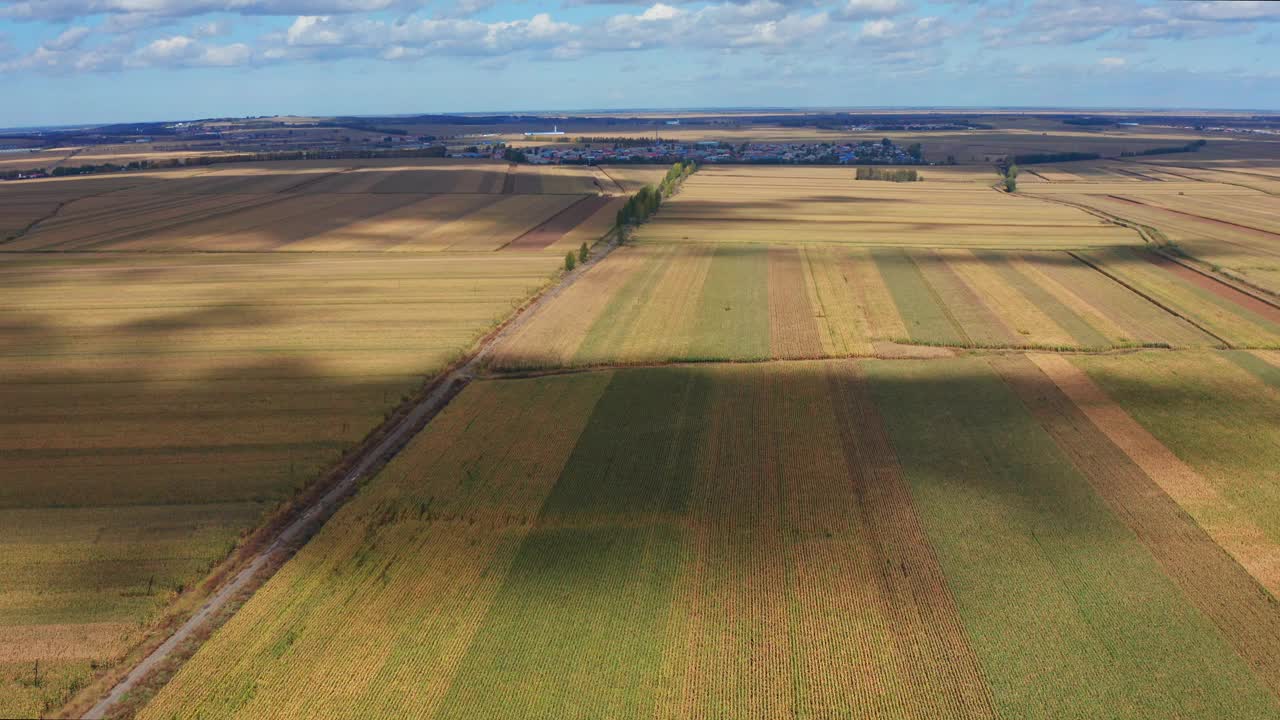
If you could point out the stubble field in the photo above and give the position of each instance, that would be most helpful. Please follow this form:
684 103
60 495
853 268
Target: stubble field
160 402
806 447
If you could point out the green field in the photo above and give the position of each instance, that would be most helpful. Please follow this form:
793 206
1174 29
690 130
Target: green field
882 538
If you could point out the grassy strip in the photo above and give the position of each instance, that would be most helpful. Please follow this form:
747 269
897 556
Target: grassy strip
925 318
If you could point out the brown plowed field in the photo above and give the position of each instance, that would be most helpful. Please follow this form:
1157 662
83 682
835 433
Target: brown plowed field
562 222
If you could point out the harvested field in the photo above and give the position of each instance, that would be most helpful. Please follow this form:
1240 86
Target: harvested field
553 230
159 220
1222 219
746 541
826 205
742 302
158 405
1236 318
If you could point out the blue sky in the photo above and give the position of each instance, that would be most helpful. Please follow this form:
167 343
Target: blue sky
72 61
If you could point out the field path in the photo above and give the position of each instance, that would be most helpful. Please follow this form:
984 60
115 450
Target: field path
262 564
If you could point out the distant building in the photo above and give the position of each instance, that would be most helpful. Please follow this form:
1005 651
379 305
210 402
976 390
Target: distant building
543 133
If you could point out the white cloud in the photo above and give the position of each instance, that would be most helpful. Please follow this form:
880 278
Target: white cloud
1112 62
70 39
867 9
63 10
876 28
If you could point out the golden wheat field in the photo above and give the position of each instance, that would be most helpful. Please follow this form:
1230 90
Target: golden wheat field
159 402
826 205
1228 218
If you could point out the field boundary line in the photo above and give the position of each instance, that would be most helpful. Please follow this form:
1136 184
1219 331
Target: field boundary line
393 435
1257 293
1150 299
621 190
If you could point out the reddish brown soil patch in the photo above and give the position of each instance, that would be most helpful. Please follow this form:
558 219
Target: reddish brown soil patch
1222 290
562 222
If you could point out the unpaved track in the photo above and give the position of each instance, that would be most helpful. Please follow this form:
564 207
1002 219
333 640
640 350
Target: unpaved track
444 390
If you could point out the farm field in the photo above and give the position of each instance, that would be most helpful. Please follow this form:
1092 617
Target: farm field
805 446
967 537
689 290
1227 226
825 205
312 206
161 402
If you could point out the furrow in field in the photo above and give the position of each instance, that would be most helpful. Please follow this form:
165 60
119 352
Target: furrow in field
612 328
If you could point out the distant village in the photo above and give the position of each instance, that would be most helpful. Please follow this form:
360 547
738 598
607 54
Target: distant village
585 151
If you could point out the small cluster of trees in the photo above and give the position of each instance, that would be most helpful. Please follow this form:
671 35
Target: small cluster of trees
1011 179
570 261
867 173
1037 158
1193 146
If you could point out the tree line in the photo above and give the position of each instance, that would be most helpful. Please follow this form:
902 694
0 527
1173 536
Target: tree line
201 160
1193 146
646 202
1038 158
868 173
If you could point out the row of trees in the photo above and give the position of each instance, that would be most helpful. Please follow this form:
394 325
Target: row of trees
201 160
1193 146
646 202
1037 158
868 173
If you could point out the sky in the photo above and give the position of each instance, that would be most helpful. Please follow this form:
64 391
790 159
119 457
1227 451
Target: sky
66 62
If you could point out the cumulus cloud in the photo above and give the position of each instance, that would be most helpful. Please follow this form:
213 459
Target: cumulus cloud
63 10
867 9
69 39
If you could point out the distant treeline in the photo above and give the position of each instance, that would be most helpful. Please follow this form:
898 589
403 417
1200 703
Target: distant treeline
1038 158
1090 121
866 173
62 171
1193 146
620 141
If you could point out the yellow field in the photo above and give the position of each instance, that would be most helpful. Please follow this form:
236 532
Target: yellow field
1227 219
159 402
826 205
